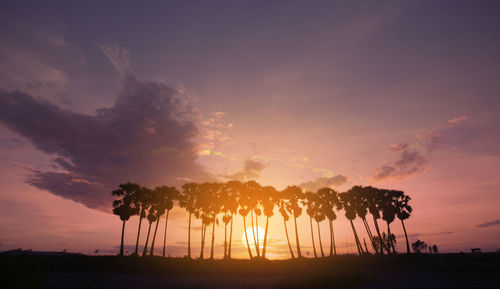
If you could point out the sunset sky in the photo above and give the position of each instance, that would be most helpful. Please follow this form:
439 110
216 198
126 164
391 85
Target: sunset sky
394 94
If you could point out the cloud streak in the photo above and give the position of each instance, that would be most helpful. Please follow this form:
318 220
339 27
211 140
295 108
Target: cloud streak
489 224
323 182
251 170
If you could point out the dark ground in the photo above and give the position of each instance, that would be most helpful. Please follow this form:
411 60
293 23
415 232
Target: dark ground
370 272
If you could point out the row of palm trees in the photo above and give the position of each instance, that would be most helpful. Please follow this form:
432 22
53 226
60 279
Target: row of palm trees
212 200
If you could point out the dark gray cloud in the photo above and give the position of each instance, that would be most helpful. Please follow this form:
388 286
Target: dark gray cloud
251 170
480 137
489 224
145 137
411 160
460 134
323 182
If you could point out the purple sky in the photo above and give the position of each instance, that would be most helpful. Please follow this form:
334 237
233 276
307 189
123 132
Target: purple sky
394 94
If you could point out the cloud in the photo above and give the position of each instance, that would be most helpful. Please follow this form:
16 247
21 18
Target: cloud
458 119
489 224
412 160
323 182
251 170
145 137
118 56
478 137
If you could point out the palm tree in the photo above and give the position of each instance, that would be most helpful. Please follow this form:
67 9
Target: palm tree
375 200
320 217
232 188
203 212
124 207
164 198
254 191
293 196
215 207
245 208
284 214
171 194
350 213
157 199
269 199
187 200
389 211
310 202
361 205
151 216
140 201
329 201
403 212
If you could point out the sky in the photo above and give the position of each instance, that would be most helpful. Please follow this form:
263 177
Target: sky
394 94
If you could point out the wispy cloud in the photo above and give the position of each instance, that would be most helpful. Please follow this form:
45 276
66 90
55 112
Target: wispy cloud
458 119
489 224
251 171
323 182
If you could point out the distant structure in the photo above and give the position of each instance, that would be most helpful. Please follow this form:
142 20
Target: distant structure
475 250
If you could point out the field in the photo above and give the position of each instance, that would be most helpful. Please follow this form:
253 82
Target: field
401 271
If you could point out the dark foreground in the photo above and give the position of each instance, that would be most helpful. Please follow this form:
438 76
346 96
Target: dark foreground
402 271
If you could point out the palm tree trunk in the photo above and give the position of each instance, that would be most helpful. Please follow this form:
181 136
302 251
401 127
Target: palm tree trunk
230 237
333 238
121 244
189 237
356 238
225 240
265 239
389 238
154 237
312 237
288 240
320 243
257 245
253 235
406 236
299 254
370 236
382 245
202 246
213 239
136 252
147 239
165 235
246 236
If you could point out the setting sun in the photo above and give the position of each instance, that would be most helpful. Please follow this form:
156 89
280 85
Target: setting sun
259 235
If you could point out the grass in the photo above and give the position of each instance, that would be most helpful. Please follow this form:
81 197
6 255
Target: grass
347 271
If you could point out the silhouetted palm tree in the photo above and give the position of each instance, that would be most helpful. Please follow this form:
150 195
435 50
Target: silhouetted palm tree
361 205
254 191
245 208
215 206
124 207
163 197
187 200
329 202
375 200
284 214
293 195
151 216
233 188
389 212
269 199
350 213
140 201
311 203
403 212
